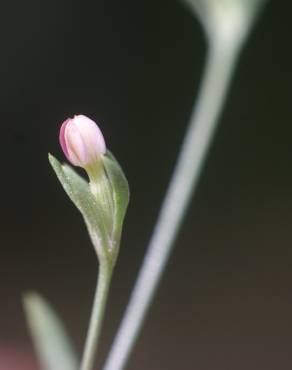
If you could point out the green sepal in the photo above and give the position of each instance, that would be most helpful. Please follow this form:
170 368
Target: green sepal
52 344
79 192
120 194
103 212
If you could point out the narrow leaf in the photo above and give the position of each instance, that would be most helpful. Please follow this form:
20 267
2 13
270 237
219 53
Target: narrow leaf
120 190
79 192
51 342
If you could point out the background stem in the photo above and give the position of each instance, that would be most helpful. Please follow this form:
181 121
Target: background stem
219 68
99 303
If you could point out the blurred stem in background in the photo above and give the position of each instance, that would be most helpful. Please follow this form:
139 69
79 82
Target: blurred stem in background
226 24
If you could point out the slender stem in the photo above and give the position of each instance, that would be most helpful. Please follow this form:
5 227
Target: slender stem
99 303
217 76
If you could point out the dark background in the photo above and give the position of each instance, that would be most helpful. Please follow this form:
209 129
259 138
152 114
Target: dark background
225 301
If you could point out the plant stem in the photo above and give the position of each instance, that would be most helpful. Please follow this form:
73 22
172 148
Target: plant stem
218 72
95 324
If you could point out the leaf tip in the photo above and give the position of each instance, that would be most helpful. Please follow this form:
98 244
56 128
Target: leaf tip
30 300
28 296
52 159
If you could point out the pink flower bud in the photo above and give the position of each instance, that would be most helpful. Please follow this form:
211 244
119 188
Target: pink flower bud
82 141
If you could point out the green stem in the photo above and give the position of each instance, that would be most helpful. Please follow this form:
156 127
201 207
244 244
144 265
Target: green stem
97 315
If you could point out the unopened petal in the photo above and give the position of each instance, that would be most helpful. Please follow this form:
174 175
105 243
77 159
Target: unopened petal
91 135
76 147
62 138
82 141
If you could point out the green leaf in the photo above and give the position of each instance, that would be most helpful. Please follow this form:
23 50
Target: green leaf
79 192
103 209
51 342
120 190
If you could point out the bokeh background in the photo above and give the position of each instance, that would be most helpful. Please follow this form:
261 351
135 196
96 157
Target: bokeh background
225 301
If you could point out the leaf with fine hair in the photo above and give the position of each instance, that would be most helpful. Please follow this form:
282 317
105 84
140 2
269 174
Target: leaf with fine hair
120 192
52 344
79 192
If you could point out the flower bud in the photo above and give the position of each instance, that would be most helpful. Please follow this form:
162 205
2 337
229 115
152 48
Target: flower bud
82 141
